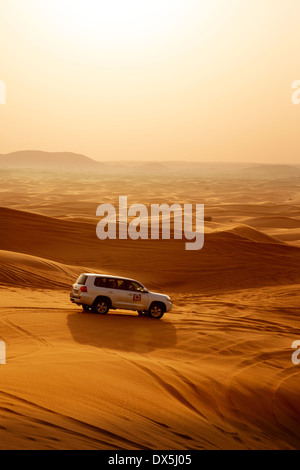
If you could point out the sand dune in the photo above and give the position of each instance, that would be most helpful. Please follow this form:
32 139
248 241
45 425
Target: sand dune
215 373
273 222
291 236
246 232
30 271
233 251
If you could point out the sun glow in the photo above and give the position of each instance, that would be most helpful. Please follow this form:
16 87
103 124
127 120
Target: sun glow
83 31
111 21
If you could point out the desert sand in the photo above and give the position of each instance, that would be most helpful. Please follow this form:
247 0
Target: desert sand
215 373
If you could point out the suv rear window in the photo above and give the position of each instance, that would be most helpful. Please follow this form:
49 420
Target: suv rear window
82 279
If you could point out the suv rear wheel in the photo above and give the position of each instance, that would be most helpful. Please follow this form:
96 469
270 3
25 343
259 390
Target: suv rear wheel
101 306
143 313
157 310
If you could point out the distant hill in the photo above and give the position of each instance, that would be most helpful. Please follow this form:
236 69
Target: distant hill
35 159
272 171
68 161
40 160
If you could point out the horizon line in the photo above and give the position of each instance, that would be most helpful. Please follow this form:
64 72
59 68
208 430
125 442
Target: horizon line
151 161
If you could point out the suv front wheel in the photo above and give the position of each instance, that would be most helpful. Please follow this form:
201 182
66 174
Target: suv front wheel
157 310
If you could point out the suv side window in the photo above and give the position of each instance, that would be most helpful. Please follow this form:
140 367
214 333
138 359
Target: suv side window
100 282
122 284
110 283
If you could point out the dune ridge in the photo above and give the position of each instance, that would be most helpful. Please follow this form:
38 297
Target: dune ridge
19 269
273 222
229 251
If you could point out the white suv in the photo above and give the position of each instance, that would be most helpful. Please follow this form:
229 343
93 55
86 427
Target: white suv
100 293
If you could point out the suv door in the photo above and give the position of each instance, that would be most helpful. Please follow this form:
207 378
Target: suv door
136 296
120 297
108 287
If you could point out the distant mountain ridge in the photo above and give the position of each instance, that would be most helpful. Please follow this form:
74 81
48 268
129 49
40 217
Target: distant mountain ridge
274 170
36 159
69 161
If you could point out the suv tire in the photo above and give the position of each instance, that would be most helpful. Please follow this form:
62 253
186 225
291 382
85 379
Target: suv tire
101 306
157 310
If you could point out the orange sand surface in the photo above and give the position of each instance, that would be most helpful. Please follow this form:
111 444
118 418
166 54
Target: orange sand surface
215 373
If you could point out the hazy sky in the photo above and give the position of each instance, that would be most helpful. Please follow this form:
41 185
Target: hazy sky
154 80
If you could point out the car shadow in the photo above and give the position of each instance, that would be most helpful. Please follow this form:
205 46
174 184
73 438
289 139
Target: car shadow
120 331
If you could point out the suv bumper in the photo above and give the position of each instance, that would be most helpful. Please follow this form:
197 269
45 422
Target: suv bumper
80 300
